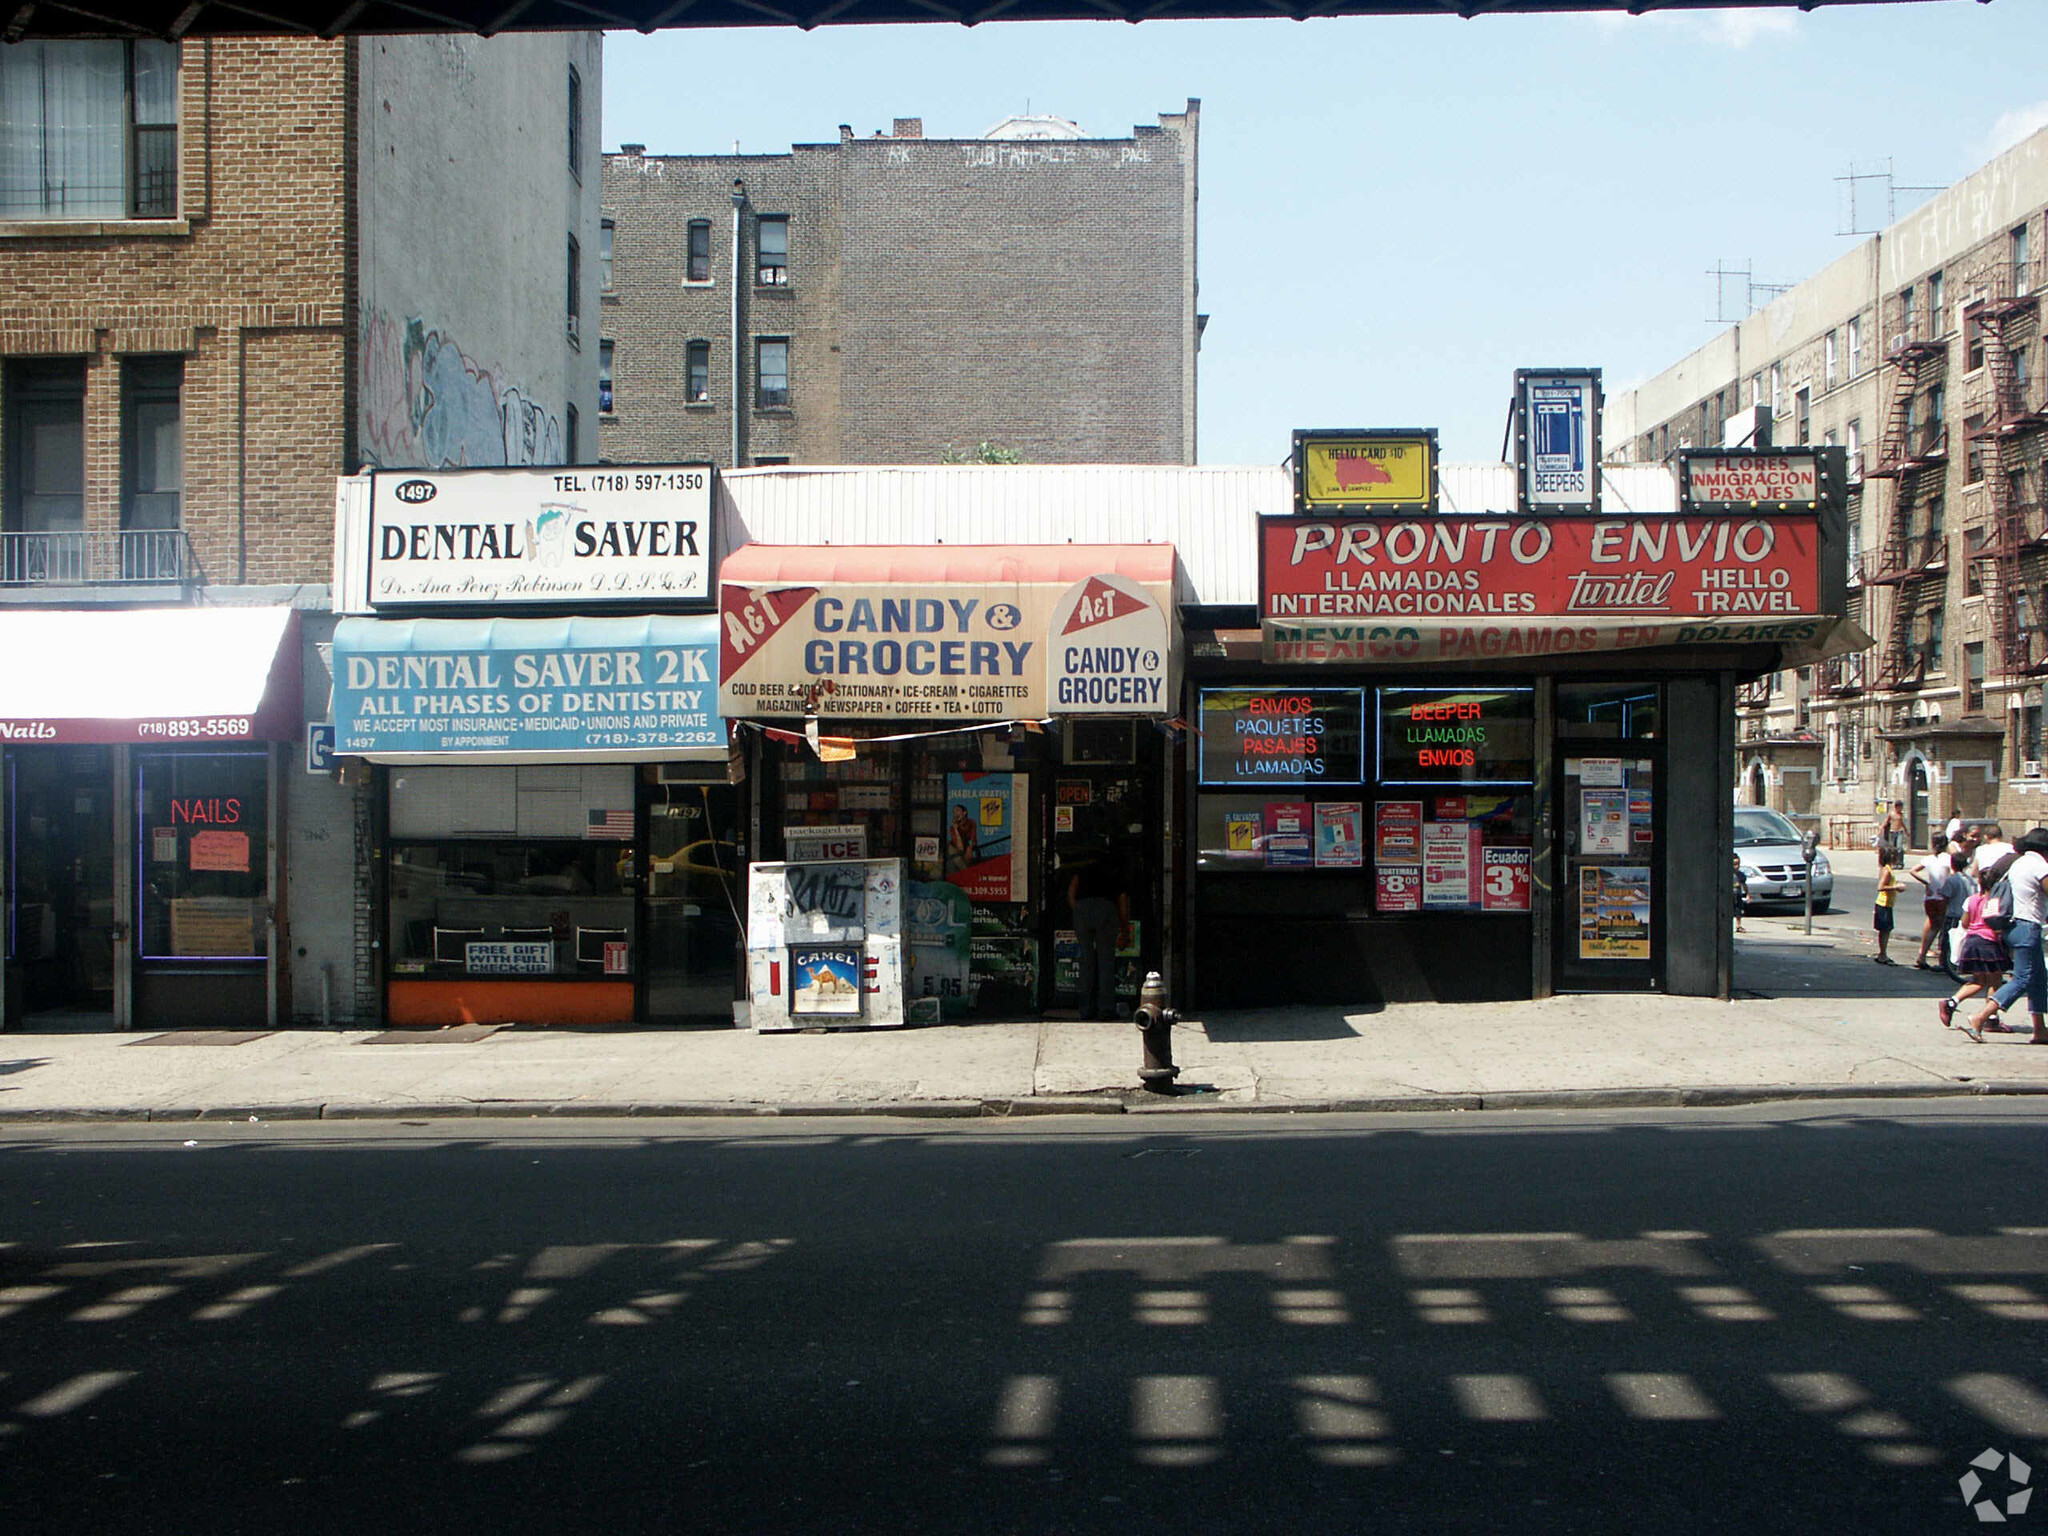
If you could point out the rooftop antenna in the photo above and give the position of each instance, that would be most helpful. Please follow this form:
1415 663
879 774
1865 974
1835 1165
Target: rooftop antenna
1858 208
1737 293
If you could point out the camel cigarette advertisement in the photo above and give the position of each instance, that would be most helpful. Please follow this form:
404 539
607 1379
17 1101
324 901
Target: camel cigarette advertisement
621 688
1458 589
1614 912
1101 645
635 534
985 839
1379 471
1557 439
825 978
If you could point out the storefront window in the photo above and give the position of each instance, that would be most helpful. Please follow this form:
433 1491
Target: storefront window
202 843
1626 711
512 872
489 908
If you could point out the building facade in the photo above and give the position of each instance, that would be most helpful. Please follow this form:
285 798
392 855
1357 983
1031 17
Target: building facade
235 268
902 300
1920 352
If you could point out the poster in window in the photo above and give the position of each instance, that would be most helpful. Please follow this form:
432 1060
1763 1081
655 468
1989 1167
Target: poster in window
1340 840
1614 912
1398 888
825 979
1289 839
219 851
985 838
1449 851
1397 832
1241 833
1603 822
1504 879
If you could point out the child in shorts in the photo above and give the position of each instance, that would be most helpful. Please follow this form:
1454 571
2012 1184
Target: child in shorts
1887 896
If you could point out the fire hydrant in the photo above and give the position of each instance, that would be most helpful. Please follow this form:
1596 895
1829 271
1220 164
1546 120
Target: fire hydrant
1155 1023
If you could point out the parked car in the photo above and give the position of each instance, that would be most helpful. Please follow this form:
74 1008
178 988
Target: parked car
1773 867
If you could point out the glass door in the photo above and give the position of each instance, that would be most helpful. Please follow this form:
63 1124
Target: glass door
690 923
60 850
1609 920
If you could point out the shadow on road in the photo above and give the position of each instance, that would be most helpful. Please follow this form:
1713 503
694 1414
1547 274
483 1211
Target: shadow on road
1535 1324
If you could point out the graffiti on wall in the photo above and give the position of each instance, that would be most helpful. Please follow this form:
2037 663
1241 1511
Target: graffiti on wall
427 405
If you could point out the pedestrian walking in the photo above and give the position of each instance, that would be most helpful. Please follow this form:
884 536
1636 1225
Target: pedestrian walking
1881 921
1741 893
1984 959
1102 922
2023 876
1991 847
1933 873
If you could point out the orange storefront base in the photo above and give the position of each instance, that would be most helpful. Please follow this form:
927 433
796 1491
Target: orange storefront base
416 1003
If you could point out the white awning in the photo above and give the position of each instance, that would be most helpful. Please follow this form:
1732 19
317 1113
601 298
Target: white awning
148 675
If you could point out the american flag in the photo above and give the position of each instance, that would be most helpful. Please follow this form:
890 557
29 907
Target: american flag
611 824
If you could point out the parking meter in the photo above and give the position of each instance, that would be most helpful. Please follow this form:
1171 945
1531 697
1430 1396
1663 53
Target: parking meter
1808 846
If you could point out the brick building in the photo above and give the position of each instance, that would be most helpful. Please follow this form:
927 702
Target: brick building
1920 351
901 298
233 269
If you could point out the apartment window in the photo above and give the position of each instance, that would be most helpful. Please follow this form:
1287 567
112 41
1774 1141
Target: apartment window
770 460
604 378
771 250
1937 522
697 373
575 285
1777 390
1828 371
1973 451
1756 390
152 446
91 130
572 446
1973 678
1973 561
1855 345
2022 373
699 269
1854 443
771 371
1932 637
604 254
2026 738
1855 544
2017 243
1937 301
45 488
575 123
1973 344
1802 414
1906 315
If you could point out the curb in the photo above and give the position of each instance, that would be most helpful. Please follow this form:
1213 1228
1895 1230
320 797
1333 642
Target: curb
1138 1103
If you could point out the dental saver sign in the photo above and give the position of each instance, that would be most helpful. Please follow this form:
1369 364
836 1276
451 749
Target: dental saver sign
1023 650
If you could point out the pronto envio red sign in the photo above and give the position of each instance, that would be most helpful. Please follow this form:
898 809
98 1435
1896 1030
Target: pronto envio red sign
1560 569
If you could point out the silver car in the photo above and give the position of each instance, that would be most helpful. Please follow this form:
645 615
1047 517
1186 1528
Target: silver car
1773 869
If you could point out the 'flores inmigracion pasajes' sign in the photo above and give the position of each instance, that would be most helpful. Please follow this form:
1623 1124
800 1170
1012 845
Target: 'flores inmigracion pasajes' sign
631 534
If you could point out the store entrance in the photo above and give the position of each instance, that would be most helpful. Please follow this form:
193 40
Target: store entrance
1610 911
1104 813
690 916
60 889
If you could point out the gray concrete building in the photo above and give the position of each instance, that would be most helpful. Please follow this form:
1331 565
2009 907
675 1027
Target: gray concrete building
1920 351
898 300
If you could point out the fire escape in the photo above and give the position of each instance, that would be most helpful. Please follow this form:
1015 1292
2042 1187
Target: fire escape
2014 524
1905 449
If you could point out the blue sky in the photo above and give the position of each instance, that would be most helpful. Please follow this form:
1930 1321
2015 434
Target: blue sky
1395 215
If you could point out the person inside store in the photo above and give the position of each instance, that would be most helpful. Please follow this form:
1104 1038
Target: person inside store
1101 904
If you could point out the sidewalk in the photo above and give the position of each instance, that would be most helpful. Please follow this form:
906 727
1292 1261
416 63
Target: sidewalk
1813 1017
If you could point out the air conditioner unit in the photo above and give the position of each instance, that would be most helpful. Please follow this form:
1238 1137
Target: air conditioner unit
2030 768
721 770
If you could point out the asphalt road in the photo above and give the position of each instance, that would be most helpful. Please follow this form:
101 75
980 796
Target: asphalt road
1775 1319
